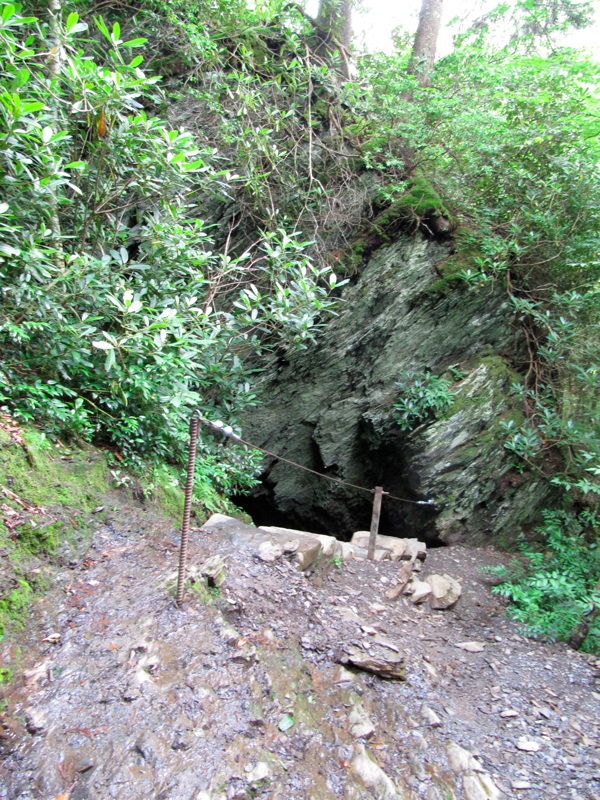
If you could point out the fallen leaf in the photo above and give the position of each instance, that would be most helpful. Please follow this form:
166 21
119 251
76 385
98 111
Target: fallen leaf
64 796
509 712
471 647
113 646
285 723
82 731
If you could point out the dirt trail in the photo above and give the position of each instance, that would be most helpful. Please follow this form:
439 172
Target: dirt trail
241 695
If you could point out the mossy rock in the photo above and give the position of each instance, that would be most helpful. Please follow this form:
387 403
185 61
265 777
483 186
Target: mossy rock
467 248
420 205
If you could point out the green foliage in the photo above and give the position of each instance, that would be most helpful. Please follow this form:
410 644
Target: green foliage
423 396
118 313
512 145
554 589
14 606
564 396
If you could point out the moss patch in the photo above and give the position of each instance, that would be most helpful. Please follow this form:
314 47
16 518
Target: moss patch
418 204
46 474
47 492
467 248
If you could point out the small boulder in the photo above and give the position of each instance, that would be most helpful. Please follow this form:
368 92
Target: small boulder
308 554
445 591
398 549
419 591
269 551
347 550
377 659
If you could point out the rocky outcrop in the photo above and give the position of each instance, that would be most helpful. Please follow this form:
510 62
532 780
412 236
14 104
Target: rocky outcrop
331 408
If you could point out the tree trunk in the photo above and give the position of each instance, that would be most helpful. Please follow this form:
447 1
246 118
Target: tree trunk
54 67
334 23
425 44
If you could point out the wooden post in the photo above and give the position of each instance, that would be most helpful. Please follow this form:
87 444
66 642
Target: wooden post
375 521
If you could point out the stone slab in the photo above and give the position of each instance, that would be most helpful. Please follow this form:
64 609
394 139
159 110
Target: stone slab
399 549
329 544
306 555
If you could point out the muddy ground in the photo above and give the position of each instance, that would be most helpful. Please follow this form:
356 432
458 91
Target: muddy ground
118 694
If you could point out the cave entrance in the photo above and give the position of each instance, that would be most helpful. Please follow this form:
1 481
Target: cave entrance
338 512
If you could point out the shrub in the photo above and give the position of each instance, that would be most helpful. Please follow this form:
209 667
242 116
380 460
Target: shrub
423 396
554 589
118 315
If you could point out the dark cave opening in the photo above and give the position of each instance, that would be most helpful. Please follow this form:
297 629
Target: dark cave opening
341 514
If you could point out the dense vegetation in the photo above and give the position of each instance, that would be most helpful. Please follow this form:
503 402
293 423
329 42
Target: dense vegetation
157 234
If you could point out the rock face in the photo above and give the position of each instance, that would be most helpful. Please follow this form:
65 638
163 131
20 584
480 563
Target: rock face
330 408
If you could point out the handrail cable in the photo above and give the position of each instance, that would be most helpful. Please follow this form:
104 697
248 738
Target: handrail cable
227 431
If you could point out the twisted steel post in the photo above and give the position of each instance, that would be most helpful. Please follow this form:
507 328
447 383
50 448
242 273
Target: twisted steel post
189 487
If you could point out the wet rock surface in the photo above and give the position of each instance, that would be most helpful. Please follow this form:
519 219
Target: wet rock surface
118 694
331 408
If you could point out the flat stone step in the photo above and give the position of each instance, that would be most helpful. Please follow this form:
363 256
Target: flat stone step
305 548
398 549
331 546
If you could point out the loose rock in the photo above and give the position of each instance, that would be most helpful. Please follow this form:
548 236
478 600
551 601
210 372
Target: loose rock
378 660
430 717
269 551
419 591
361 726
260 772
445 591
527 745
371 774
36 721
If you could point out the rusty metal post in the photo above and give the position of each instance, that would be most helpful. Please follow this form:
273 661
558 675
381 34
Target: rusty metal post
187 508
375 522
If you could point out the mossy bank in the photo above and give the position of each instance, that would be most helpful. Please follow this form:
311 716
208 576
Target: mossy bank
51 496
